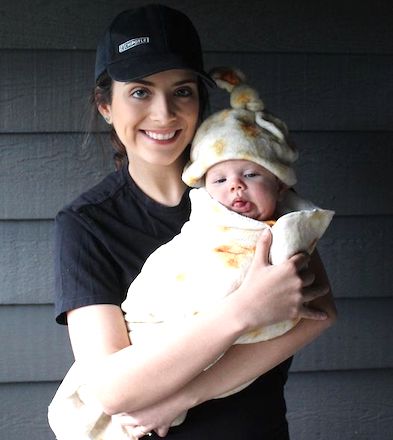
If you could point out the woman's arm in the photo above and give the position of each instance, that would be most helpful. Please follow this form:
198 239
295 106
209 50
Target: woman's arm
138 376
239 365
242 363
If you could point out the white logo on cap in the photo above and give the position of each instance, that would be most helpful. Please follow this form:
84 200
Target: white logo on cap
132 43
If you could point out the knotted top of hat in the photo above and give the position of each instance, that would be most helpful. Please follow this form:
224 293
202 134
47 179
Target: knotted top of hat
245 131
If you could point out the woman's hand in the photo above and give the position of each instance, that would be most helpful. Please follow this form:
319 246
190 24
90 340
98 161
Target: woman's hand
270 294
158 417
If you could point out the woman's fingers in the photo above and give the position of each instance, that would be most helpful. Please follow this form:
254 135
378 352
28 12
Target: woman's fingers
314 292
307 277
131 425
310 294
311 313
263 248
301 261
162 431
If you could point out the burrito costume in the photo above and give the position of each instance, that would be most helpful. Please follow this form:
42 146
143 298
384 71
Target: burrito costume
210 257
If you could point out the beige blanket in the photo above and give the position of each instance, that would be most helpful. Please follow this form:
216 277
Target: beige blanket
197 268
209 259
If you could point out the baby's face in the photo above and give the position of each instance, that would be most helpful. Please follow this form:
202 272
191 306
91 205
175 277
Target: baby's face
244 187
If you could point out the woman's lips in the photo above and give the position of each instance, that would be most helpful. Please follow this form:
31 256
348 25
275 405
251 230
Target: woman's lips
161 136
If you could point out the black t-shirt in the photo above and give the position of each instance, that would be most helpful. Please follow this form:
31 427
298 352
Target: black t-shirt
102 240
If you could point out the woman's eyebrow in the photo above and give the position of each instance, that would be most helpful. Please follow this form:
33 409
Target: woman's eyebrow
185 81
140 81
152 84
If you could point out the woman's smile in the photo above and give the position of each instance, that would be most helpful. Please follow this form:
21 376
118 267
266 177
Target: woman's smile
162 136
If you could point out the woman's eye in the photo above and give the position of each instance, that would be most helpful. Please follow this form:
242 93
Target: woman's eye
140 94
184 92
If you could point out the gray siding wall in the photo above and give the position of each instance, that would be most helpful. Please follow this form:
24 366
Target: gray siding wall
326 69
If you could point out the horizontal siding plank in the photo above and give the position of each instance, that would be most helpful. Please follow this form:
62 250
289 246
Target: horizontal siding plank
319 406
318 91
26 262
361 338
311 26
310 91
26 259
358 257
48 171
38 349
51 98
340 405
23 409
348 172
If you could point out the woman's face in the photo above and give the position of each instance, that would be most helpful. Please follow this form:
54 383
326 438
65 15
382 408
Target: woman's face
155 117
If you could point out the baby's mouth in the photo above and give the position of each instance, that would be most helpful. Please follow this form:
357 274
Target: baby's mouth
241 205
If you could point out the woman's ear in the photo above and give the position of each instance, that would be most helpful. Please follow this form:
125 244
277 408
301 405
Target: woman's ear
105 111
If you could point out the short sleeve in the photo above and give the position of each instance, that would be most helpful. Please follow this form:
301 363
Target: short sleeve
85 271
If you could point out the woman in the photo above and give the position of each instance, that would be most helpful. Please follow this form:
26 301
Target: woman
150 87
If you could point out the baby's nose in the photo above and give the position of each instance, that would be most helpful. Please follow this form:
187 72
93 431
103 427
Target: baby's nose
237 184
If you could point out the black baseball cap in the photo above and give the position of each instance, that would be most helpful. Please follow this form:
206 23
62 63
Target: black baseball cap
147 40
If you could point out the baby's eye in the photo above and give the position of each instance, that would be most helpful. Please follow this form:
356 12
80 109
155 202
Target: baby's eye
184 92
250 175
220 180
140 93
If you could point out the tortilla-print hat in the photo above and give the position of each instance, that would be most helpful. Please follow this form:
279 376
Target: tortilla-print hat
244 131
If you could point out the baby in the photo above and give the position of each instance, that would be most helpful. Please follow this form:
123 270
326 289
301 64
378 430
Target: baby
241 166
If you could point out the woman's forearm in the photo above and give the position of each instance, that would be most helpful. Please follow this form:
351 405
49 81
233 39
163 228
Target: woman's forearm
246 362
155 370
239 365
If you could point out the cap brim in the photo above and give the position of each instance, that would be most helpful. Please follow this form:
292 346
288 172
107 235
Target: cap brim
141 66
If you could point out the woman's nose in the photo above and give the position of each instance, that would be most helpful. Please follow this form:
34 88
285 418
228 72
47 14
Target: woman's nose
163 109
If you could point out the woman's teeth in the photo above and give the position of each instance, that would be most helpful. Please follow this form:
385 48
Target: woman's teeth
161 136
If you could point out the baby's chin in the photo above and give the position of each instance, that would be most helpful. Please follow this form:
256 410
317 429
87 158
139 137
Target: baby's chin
262 217
250 214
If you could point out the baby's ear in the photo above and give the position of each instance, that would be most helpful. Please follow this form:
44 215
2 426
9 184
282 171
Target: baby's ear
282 189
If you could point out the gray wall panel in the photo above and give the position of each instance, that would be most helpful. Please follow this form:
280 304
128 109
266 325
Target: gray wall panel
321 406
23 409
310 91
340 405
361 338
319 91
38 349
285 25
48 171
361 247
26 262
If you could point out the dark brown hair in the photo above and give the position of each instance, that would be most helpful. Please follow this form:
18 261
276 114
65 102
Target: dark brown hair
102 94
